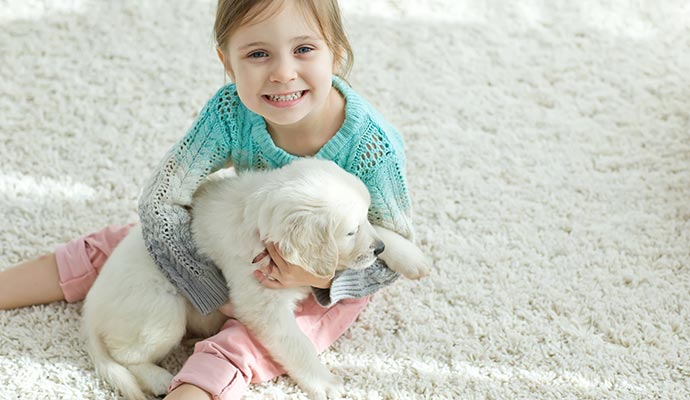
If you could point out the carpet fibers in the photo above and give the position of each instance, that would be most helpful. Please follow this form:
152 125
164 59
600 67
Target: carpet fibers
549 166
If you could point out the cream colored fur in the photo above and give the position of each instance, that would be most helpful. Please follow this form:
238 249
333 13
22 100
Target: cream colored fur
133 316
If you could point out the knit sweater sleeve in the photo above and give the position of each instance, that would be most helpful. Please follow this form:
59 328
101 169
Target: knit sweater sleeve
380 163
164 207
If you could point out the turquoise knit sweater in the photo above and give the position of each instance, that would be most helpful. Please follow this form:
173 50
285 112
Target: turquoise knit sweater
226 131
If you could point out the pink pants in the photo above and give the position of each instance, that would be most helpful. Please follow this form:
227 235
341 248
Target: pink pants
226 363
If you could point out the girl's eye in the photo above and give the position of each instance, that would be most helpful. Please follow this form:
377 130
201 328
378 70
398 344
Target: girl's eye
303 50
258 54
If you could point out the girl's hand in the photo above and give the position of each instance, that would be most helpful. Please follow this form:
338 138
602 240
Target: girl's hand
279 274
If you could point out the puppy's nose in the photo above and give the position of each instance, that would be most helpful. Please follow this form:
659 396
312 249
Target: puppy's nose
378 247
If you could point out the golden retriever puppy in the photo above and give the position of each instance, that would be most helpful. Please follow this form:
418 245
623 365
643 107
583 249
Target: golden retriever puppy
313 210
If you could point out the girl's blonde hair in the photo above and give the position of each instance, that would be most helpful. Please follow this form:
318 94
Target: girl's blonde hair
232 14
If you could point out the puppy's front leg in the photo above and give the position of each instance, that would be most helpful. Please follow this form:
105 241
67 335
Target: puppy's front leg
277 330
401 255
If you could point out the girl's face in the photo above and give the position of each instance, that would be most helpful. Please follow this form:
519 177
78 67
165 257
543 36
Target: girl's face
282 67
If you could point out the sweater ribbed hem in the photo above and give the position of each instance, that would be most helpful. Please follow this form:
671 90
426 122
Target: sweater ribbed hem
206 293
355 284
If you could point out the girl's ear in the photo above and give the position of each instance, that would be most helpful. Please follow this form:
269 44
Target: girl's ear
226 64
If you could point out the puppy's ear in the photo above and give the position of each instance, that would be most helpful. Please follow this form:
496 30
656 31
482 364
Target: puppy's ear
309 243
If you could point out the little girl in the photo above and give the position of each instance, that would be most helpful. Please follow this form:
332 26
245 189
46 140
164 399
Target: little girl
286 101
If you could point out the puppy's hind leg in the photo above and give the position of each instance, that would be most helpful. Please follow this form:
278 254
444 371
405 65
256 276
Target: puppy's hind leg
115 373
149 341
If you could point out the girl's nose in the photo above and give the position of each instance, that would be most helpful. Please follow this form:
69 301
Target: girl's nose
283 70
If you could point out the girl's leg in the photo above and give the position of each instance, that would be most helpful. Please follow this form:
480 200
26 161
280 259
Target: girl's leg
226 363
65 275
31 282
80 260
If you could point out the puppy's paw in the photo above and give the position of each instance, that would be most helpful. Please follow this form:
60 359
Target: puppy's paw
408 261
330 387
152 378
402 256
414 268
417 271
336 388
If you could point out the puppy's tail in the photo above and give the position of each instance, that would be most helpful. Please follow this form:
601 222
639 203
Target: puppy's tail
113 372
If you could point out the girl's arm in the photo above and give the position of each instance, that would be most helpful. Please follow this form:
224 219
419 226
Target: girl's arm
164 212
384 176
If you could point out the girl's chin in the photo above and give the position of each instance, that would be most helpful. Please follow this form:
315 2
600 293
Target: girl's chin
284 118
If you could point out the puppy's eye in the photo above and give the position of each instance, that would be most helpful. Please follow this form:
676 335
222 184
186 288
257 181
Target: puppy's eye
353 233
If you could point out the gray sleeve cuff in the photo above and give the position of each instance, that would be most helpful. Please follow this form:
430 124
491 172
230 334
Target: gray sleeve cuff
355 283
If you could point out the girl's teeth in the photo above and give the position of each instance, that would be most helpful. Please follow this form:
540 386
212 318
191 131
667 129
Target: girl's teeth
289 97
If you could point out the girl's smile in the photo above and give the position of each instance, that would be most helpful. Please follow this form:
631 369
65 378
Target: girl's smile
285 100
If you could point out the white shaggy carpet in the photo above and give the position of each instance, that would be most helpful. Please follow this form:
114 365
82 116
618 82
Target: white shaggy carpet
549 154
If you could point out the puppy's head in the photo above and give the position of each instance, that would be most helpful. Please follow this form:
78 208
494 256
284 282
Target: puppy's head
318 218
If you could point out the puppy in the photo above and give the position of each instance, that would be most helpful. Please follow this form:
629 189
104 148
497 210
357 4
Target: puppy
313 210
